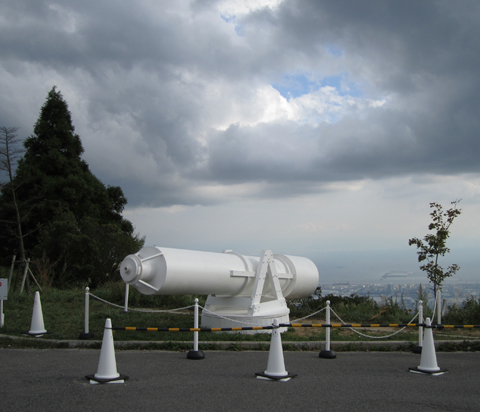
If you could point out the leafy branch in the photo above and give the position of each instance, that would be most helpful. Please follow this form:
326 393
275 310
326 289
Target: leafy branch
433 245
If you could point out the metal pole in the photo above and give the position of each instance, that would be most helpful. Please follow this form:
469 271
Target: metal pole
87 310
420 320
24 275
127 288
327 353
11 273
86 333
439 306
2 317
195 353
195 325
327 332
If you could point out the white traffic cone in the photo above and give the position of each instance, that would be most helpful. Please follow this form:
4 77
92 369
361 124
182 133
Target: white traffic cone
37 328
107 365
428 358
276 365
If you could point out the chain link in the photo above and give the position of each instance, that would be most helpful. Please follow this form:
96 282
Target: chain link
175 311
308 316
224 317
144 310
369 336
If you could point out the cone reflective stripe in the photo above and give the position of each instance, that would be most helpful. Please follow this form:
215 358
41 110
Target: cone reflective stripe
107 365
37 327
276 364
428 358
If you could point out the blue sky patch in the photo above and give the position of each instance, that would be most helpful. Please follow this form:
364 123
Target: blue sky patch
344 86
232 19
228 18
292 86
335 51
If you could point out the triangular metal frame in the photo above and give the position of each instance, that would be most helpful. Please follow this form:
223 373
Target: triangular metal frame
266 270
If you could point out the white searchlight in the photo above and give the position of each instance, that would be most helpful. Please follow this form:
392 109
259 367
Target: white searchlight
242 290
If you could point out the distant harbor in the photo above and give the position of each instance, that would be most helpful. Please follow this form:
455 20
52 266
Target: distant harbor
397 275
452 293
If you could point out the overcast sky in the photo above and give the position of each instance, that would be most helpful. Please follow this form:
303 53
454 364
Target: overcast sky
313 128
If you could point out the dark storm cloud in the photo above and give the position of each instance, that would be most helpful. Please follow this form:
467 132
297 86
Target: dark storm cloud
168 97
424 56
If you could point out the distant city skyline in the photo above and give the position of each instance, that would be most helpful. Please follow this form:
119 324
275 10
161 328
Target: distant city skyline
370 266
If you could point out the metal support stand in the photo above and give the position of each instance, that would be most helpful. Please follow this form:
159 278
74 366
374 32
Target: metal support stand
265 303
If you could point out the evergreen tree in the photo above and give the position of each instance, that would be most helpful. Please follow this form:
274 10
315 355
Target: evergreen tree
76 224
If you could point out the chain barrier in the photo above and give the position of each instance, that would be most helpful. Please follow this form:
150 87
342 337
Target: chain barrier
174 311
224 317
373 337
308 316
250 323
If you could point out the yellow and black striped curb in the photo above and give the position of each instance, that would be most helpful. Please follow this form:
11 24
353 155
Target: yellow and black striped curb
298 325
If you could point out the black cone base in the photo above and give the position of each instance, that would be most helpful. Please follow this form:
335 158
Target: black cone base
263 375
196 355
100 380
88 335
327 354
36 333
439 372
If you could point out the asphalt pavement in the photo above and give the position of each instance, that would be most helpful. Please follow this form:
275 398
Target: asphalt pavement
54 380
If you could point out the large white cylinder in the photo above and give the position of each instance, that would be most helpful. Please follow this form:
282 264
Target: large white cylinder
166 271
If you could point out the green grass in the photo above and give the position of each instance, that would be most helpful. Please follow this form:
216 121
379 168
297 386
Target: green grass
63 313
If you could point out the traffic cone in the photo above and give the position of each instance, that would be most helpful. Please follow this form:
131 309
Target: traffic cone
37 328
428 358
276 364
107 365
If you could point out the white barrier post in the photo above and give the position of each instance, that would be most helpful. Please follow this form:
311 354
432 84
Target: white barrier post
86 334
195 353
418 348
327 353
439 306
127 288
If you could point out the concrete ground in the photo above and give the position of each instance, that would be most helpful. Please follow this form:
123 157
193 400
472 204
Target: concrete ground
54 380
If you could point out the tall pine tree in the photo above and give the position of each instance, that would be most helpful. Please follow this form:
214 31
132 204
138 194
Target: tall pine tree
76 228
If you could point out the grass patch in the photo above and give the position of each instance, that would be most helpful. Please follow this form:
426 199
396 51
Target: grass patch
63 313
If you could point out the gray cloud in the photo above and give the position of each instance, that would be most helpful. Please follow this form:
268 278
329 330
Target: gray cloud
170 98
